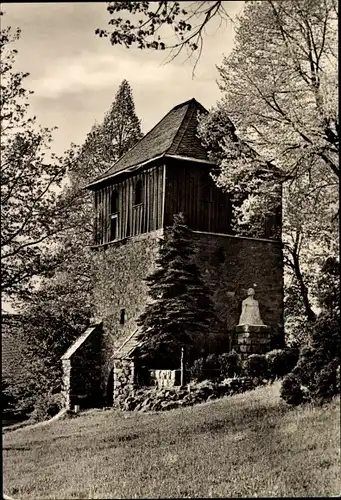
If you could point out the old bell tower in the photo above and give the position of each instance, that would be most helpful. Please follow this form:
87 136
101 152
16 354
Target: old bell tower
165 173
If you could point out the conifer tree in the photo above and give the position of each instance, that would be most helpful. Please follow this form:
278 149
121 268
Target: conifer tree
181 312
54 315
109 140
121 125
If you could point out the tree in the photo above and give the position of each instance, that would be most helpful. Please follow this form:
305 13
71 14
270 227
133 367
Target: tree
60 309
109 140
187 25
316 376
181 311
280 91
104 144
280 84
32 212
242 172
47 326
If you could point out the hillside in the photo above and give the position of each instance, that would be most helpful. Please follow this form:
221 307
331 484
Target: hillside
247 445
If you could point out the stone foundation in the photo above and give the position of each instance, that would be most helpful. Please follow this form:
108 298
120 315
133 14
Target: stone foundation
124 377
164 378
252 340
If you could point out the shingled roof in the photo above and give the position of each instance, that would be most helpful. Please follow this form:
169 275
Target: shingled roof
175 135
129 345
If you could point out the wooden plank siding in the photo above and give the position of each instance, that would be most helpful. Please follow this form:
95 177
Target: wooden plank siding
132 219
166 190
190 189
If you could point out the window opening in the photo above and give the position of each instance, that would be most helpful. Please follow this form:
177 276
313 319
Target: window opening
113 215
114 202
138 193
122 318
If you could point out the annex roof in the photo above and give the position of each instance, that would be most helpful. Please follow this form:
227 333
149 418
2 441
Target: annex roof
174 136
79 341
129 346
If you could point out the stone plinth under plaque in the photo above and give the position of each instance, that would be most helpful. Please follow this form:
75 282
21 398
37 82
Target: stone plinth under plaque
252 336
253 339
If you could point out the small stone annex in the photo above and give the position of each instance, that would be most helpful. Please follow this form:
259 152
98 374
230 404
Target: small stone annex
167 172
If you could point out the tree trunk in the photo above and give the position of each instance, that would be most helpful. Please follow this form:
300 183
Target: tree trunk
304 290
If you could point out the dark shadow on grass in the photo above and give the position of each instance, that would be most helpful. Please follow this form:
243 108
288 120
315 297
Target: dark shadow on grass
240 418
16 448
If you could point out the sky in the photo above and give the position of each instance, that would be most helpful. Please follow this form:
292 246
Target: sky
75 74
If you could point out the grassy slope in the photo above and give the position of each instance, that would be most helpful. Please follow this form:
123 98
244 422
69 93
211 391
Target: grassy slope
243 446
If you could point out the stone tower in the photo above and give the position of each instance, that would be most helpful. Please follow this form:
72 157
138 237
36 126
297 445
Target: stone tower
167 172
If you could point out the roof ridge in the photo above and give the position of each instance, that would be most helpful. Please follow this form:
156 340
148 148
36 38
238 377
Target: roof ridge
183 103
102 176
185 128
166 136
183 119
133 147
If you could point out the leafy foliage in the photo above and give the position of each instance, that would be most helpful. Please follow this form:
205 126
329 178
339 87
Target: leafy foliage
318 364
230 364
242 173
279 89
48 325
142 23
291 390
281 362
256 365
59 310
109 140
7 398
32 211
221 366
181 310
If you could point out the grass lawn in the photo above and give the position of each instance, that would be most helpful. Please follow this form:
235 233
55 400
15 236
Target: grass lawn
248 445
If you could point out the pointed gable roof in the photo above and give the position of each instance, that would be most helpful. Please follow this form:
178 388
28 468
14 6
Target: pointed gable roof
174 136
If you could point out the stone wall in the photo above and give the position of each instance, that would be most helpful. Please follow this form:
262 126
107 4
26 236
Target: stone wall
120 271
230 265
164 378
252 340
124 377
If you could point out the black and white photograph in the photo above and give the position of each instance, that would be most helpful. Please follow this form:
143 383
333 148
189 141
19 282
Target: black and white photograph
170 268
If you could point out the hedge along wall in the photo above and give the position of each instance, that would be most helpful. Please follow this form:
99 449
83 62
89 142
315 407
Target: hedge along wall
119 273
230 265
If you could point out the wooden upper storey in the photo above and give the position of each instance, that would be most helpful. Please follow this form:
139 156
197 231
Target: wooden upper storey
147 201
166 172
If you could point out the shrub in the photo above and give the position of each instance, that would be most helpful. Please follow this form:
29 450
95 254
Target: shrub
212 362
325 383
197 370
7 398
46 407
205 368
317 366
281 362
256 365
230 364
291 390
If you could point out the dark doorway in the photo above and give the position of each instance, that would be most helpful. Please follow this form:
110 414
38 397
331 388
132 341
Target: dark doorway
110 389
